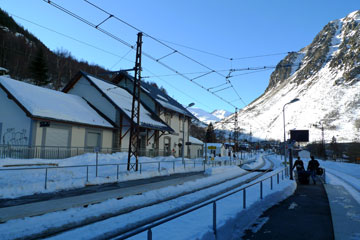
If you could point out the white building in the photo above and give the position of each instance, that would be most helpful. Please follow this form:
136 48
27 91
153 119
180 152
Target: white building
40 117
115 103
168 109
196 148
216 148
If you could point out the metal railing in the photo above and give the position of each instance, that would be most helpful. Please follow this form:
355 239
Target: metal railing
149 227
111 172
49 152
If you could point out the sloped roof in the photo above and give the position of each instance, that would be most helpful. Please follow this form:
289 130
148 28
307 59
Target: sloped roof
123 100
160 97
195 140
50 104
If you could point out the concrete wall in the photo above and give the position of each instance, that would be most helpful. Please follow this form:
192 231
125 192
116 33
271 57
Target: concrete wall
15 125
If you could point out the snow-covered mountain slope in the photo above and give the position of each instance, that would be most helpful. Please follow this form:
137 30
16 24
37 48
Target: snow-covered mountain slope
220 113
325 76
207 117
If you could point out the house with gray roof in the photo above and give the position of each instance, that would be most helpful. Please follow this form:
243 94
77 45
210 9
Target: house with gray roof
34 116
114 103
167 108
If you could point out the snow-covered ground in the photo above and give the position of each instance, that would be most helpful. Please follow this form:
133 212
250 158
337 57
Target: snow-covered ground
232 219
80 171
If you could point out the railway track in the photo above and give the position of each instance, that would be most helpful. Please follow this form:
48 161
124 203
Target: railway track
353 183
56 231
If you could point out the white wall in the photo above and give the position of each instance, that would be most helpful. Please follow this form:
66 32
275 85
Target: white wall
16 126
176 137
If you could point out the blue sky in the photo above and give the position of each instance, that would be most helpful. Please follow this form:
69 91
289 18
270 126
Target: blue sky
230 29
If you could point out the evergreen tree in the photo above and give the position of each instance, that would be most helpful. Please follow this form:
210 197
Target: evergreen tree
210 134
38 68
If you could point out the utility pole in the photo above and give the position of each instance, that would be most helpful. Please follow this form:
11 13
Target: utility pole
236 133
134 141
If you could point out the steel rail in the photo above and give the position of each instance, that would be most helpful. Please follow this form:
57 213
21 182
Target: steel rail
94 220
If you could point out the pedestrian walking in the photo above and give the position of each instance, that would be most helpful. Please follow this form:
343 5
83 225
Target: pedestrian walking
299 164
312 167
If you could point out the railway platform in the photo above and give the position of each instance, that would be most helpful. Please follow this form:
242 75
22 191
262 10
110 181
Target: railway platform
320 211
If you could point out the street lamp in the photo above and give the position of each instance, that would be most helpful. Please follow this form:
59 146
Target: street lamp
183 136
292 101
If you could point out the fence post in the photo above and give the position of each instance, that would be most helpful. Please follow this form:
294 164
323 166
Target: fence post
87 173
194 164
97 161
261 190
159 166
282 174
244 198
271 182
214 218
184 165
140 167
149 234
46 174
117 172
277 176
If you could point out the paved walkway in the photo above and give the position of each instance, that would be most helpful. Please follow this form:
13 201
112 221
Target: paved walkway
44 203
305 216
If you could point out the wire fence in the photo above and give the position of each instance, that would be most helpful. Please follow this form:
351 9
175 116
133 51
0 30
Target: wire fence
53 177
49 152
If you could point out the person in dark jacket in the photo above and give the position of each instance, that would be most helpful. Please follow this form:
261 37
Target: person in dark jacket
312 167
299 164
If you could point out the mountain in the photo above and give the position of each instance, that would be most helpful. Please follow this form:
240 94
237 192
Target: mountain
220 113
25 56
207 117
325 76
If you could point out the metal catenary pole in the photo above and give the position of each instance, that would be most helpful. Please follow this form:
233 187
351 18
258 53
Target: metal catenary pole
135 110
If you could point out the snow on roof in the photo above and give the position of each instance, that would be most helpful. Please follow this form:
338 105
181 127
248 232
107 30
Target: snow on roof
161 97
195 140
47 103
4 69
123 99
171 107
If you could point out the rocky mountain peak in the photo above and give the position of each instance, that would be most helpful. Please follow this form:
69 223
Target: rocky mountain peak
325 76
338 43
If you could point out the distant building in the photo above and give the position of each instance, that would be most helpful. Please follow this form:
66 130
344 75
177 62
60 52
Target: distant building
196 148
216 148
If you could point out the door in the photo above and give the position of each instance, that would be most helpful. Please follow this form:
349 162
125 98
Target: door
57 143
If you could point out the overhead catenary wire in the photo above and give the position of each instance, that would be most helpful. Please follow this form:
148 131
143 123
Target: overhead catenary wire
144 53
69 37
175 51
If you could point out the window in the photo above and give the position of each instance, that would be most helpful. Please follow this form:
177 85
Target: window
167 145
168 118
181 123
93 139
57 137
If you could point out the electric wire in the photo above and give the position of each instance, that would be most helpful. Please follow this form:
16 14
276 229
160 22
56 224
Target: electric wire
69 37
144 53
171 48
